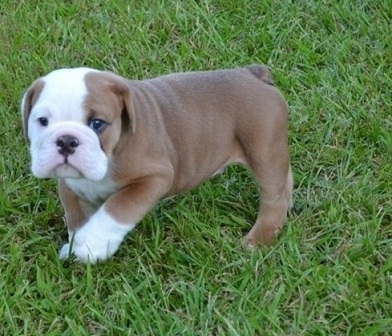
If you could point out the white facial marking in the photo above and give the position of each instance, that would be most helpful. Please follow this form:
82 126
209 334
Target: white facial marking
61 104
97 240
87 161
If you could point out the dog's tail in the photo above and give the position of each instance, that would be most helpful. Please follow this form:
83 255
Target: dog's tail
261 72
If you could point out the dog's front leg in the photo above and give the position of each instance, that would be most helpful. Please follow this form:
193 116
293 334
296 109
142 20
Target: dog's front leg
99 238
76 213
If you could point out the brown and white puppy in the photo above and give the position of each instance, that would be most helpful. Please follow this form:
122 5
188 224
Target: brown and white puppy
118 146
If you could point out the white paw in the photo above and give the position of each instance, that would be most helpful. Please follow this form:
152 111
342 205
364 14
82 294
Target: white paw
97 240
64 252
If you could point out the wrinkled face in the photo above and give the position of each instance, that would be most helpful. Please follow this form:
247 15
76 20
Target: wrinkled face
73 119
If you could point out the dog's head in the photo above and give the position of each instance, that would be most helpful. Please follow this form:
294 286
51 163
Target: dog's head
74 119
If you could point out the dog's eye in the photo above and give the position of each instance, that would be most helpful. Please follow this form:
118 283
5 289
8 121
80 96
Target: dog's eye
43 121
98 125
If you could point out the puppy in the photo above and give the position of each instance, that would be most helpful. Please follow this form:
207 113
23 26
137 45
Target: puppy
118 146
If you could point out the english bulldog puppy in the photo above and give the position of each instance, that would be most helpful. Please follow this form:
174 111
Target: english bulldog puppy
118 146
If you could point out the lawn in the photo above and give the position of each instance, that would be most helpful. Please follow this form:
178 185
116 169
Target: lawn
183 270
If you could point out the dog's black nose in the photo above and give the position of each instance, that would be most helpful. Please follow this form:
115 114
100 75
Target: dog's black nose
66 144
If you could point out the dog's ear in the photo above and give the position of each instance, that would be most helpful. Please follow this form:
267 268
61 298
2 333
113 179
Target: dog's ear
112 93
29 99
122 89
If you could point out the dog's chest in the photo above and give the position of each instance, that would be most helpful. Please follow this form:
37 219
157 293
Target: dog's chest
95 192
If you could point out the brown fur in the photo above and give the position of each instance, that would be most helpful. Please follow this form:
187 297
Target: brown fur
31 98
185 127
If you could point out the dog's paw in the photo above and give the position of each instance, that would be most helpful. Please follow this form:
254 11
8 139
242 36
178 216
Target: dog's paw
65 252
92 247
97 240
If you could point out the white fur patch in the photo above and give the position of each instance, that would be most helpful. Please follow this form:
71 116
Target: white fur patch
92 191
97 240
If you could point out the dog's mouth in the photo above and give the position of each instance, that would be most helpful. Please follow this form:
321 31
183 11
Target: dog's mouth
66 170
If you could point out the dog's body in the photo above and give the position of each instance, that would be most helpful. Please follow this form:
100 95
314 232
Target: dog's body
118 146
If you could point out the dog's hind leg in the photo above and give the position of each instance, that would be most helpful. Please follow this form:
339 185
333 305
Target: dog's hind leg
275 201
268 160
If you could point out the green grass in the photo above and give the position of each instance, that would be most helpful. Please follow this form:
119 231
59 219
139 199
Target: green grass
183 271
